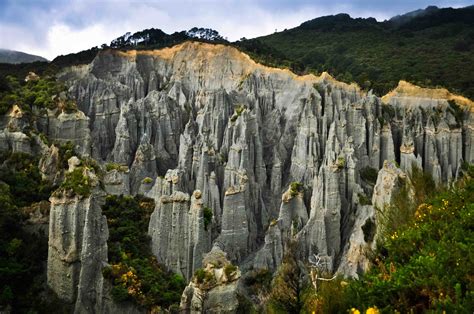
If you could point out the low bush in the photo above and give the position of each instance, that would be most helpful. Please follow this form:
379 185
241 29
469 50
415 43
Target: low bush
295 188
115 166
77 182
229 269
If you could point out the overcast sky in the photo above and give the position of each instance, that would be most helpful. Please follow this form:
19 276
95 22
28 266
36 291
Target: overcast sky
52 27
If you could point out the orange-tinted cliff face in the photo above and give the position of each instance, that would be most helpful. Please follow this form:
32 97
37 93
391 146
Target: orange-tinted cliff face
407 90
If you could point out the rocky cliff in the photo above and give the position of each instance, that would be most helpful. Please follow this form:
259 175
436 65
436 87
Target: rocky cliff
271 155
214 123
209 119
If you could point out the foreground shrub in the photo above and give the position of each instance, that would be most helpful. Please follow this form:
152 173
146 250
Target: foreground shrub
428 263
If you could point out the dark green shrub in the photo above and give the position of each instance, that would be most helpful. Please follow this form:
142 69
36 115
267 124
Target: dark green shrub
119 293
369 229
22 257
20 171
39 93
207 214
134 272
406 200
229 269
66 151
341 162
364 200
200 275
289 283
369 175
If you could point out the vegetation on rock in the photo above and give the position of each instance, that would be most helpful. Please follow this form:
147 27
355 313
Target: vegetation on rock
21 173
134 272
207 215
427 263
22 254
369 175
116 166
229 269
147 180
289 284
78 182
37 93
295 188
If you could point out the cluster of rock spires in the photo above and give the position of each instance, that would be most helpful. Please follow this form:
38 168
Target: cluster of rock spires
275 156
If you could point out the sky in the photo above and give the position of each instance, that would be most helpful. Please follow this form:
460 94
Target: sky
53 27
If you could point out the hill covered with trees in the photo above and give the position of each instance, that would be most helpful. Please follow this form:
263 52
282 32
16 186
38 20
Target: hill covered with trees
431 47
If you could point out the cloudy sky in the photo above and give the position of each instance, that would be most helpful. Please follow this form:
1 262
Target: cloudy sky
53 27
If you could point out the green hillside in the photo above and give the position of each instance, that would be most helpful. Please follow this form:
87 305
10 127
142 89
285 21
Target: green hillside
431 49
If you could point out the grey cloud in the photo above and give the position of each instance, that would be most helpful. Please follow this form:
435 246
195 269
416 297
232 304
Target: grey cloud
27 23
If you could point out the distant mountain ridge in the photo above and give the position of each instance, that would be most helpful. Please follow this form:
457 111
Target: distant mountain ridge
404 18
12 56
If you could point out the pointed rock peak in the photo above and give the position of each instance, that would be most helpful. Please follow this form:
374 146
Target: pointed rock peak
145 140
332 140
406 89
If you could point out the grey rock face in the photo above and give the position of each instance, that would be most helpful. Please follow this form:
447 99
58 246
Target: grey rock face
117 182
70 127
220 294
77 250
15 142
389 181
234 237
354 261
206 117
49 165
293 213
271 254
180 237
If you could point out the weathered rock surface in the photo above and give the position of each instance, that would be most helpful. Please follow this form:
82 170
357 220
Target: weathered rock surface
203 126
78 245
219 291
389 181
117 181
77 250
355 260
